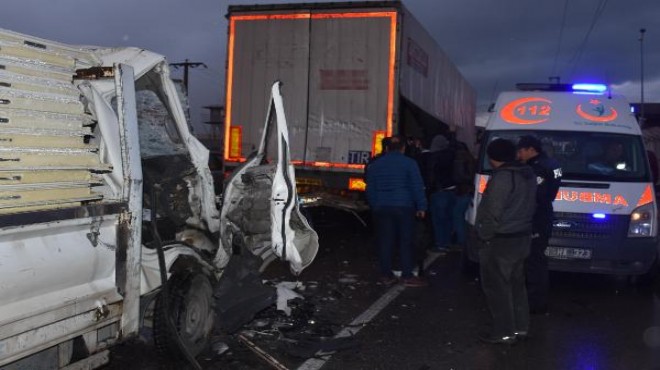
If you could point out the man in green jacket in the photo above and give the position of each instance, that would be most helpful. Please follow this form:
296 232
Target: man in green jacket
504 224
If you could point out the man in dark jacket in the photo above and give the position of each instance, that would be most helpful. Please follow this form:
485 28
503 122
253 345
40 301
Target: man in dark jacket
504 224
437 165
548 177
463 174
395 192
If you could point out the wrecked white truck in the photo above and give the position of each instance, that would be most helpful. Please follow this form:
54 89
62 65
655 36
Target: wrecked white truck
107 208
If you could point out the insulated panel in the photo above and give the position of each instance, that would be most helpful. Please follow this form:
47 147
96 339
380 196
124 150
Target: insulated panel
13 81
45 161
13 160
19 51
42 206
32 120
35 70
80 54
39 177
40 102
24 198
12 140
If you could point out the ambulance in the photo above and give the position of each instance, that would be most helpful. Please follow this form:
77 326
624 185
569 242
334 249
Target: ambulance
605 213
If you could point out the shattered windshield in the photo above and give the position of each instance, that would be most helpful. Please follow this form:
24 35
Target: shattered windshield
586 155
155 123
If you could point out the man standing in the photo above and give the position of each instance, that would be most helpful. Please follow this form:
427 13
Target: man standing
548 179
463 174
395 192
504 224
437 166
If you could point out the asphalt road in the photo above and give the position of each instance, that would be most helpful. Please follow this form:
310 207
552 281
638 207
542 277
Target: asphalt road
595 321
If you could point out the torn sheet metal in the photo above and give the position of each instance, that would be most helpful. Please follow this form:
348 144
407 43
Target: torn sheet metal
266 192
285 293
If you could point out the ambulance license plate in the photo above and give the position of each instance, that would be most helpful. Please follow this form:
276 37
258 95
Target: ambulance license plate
568 253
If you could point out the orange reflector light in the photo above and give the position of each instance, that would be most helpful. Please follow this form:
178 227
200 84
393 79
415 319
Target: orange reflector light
321 164
266 17
358 184
377 143
235 140
483 181
647 196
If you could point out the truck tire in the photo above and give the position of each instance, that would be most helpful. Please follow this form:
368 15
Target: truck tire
191 309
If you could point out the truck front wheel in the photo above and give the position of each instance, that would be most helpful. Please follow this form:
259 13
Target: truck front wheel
191 311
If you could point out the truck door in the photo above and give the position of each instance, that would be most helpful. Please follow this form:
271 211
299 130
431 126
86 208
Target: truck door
338 71
262 49
351 86
260 208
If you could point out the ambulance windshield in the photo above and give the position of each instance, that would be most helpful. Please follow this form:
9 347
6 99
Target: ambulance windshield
585 155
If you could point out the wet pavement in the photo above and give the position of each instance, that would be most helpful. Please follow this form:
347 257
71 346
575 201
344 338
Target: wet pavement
595 321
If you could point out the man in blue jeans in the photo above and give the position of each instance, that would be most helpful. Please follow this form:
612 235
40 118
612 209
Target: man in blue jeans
395 192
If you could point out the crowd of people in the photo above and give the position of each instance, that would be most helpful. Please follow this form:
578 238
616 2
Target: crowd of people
514 218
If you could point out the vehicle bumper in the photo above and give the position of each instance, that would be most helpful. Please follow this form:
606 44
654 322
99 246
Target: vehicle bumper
628 257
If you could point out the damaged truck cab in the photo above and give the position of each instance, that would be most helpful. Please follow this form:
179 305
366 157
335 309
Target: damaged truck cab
107 207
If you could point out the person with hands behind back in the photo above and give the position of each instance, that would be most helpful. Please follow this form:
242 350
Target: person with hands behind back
504 225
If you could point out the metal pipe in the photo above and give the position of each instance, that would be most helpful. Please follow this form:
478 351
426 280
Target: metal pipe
261 353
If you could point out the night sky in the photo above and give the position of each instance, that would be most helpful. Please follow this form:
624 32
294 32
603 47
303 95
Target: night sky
494 43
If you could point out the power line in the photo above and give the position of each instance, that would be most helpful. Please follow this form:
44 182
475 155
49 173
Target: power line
187 64
561 33
580 50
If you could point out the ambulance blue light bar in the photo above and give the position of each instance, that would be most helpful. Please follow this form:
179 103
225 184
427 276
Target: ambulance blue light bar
592 88
575 88
600 216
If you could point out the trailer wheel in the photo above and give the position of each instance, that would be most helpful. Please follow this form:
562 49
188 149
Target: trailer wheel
191 310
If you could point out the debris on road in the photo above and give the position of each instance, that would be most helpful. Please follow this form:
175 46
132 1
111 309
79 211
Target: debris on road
285 293
261 353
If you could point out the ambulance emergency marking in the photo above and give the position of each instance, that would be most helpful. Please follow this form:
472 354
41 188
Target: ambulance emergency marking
605 211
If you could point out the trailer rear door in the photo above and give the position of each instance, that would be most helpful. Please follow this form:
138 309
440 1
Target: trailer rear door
337 69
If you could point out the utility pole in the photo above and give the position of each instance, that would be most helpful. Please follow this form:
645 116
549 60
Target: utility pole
642 117
187 64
